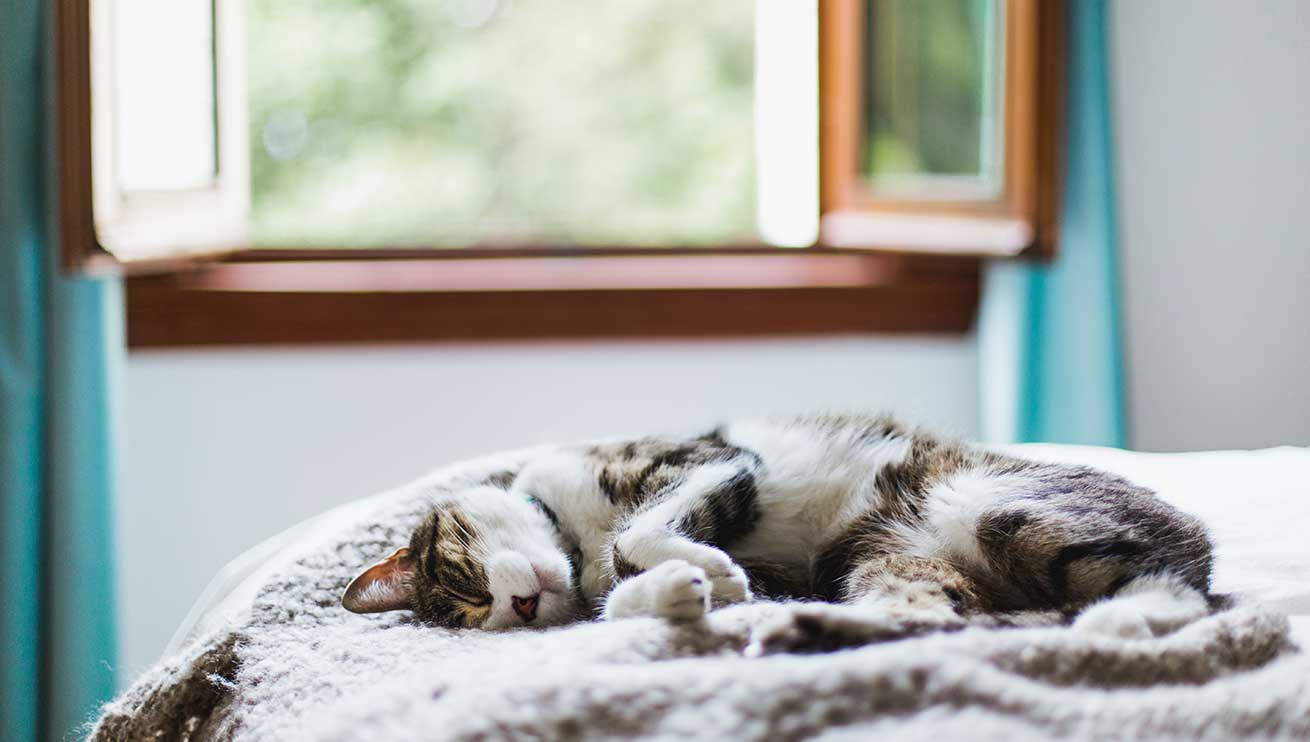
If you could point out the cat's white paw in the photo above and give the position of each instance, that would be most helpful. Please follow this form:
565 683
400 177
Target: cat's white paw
1119 620
1146 607
680 591
730 584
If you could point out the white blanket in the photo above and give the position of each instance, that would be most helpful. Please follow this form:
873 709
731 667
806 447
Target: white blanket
289 663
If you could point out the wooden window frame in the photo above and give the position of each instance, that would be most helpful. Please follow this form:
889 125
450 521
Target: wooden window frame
504 296
1021 220
263 296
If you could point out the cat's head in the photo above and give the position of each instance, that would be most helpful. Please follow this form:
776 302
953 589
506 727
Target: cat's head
483 558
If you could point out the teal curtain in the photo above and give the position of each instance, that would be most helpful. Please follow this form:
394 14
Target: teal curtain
61 349
1049 335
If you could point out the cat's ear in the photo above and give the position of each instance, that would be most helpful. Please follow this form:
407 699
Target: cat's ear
382 587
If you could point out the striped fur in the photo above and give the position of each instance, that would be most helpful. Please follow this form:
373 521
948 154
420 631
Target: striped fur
841 508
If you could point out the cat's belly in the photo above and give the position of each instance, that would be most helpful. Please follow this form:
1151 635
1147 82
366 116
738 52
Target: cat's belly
801 514
810 488
797 521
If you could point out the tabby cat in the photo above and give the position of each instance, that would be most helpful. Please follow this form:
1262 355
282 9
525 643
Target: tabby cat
854 511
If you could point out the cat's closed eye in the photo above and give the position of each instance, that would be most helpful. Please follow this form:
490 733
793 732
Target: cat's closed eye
475 602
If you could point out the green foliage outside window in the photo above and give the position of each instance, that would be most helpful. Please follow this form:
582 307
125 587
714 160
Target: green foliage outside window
416 122
933 85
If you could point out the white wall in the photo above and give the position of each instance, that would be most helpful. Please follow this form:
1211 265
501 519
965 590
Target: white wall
1212 117
226 448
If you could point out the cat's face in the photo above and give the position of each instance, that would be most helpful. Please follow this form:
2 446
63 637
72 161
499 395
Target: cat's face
483 558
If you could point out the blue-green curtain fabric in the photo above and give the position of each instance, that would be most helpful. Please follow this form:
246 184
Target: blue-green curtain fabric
1049 335
61 349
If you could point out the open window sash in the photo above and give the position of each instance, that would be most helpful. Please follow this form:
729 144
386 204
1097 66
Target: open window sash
151 205
1015 215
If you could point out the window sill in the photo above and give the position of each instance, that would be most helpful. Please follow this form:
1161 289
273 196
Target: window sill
262 298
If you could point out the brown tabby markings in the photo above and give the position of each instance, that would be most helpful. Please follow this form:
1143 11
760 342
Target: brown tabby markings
450 586
880 575
501 479
1064 535
632 472
1047 547
622 568
901 488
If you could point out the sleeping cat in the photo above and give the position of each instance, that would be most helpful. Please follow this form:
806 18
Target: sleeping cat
858 512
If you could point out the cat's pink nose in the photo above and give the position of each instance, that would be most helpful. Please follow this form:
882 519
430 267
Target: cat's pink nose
525 607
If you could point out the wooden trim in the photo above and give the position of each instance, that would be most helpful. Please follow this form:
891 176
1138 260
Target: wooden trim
1033 78
399 300
72 191
841 58
1022 89
1050 136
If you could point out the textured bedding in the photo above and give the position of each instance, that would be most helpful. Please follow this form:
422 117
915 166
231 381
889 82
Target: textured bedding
276 657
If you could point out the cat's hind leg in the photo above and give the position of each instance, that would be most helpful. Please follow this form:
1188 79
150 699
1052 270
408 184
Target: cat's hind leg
883 597
908 584
1146 606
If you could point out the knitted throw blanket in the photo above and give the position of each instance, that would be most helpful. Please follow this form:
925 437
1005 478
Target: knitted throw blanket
298 666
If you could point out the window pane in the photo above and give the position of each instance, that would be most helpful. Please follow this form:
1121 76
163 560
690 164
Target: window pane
935 93
461 122
164 94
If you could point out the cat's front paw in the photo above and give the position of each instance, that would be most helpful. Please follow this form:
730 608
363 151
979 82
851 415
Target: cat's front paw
680 591
730 584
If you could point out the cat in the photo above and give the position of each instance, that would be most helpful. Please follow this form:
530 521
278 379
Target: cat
854 513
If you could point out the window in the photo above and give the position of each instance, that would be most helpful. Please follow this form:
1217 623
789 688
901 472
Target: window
325 170
453 125
941 121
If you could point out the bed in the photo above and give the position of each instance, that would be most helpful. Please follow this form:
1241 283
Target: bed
268 653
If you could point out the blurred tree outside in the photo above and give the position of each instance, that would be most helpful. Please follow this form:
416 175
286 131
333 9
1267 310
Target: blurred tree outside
464 122
931 108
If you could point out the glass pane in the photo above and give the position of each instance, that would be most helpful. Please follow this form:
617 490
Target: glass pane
935 98
476 122
163 85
